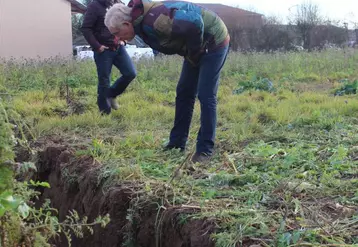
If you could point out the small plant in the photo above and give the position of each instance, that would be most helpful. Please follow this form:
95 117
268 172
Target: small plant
256 84
46 226
18 219
348 87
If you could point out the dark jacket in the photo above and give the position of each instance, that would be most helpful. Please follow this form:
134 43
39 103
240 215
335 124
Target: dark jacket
93 28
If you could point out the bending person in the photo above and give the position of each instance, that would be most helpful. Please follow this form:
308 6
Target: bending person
198 35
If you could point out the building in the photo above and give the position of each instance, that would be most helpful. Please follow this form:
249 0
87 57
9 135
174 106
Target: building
38 29
239 22
234 17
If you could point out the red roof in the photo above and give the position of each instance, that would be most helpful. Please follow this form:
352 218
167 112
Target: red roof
233 17
221 8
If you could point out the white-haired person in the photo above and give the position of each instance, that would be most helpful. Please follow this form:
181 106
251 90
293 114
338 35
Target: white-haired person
197 34
108 51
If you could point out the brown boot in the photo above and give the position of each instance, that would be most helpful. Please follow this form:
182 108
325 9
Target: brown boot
200 158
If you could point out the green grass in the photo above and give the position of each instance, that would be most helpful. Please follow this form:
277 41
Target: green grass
285 169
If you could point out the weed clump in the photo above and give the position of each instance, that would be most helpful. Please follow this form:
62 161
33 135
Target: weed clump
256 84
347 88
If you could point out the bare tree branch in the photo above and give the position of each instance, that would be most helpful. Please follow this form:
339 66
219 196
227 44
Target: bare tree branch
307 16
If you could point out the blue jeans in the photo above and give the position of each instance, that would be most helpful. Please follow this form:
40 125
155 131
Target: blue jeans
201 81
104 62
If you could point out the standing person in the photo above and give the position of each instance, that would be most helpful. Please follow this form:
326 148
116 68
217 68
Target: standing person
108 50
198 35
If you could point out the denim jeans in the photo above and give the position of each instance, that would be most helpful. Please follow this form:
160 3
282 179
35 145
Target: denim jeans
201 81
104 62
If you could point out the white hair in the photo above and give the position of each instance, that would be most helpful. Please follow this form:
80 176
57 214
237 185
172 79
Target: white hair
116 15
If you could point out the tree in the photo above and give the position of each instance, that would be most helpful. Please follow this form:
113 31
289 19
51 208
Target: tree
86 2
271 35
76 25
77 22
351 17
306 18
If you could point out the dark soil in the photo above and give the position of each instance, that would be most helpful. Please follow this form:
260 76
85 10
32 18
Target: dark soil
75 186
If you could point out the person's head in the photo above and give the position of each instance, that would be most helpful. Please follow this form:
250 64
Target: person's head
118 20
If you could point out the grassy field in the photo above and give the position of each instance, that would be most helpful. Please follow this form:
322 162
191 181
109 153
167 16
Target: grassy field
285 168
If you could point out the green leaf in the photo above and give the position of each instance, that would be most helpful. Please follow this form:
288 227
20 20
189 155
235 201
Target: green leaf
285 239
24 210
10 202
297 205
40 184
5 194
44 184
296 237
2 210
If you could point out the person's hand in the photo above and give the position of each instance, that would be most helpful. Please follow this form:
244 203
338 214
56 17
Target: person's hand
195 60
102 48
122 43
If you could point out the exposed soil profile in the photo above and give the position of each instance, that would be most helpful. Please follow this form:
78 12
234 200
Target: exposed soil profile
75 186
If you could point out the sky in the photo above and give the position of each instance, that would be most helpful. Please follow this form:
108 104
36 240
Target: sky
343 10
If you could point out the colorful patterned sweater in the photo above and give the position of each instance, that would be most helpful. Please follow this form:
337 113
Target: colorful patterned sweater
178 27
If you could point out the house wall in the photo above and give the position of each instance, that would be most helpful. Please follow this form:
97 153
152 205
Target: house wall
235 17
38 29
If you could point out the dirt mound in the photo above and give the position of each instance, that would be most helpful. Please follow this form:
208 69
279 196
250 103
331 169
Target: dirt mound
75 186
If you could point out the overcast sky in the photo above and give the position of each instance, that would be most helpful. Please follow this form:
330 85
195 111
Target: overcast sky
343 10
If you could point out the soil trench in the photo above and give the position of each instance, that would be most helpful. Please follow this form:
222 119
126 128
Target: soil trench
75 186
